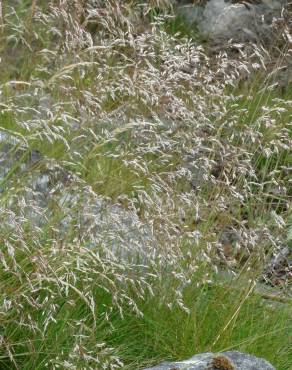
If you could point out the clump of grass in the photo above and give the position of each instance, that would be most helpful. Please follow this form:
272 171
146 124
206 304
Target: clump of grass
103 122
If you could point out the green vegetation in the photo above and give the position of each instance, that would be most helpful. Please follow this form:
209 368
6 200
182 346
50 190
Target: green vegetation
113 107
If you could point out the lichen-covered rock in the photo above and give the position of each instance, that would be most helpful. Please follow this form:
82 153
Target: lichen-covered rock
230 360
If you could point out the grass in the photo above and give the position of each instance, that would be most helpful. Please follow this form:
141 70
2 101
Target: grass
179 335
143 191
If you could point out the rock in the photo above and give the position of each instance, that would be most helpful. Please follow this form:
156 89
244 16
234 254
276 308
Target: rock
234 19
279 271
48 197
230 360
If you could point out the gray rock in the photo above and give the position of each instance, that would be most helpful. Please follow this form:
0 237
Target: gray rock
48 197
279 271
230 360
236 20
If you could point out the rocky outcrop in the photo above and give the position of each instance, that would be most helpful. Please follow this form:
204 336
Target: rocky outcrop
47 196
231 360
239 20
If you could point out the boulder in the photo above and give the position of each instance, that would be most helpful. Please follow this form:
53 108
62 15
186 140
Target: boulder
230 360
239 20
48 196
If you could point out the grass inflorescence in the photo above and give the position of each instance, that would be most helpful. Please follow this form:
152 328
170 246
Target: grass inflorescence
145 186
